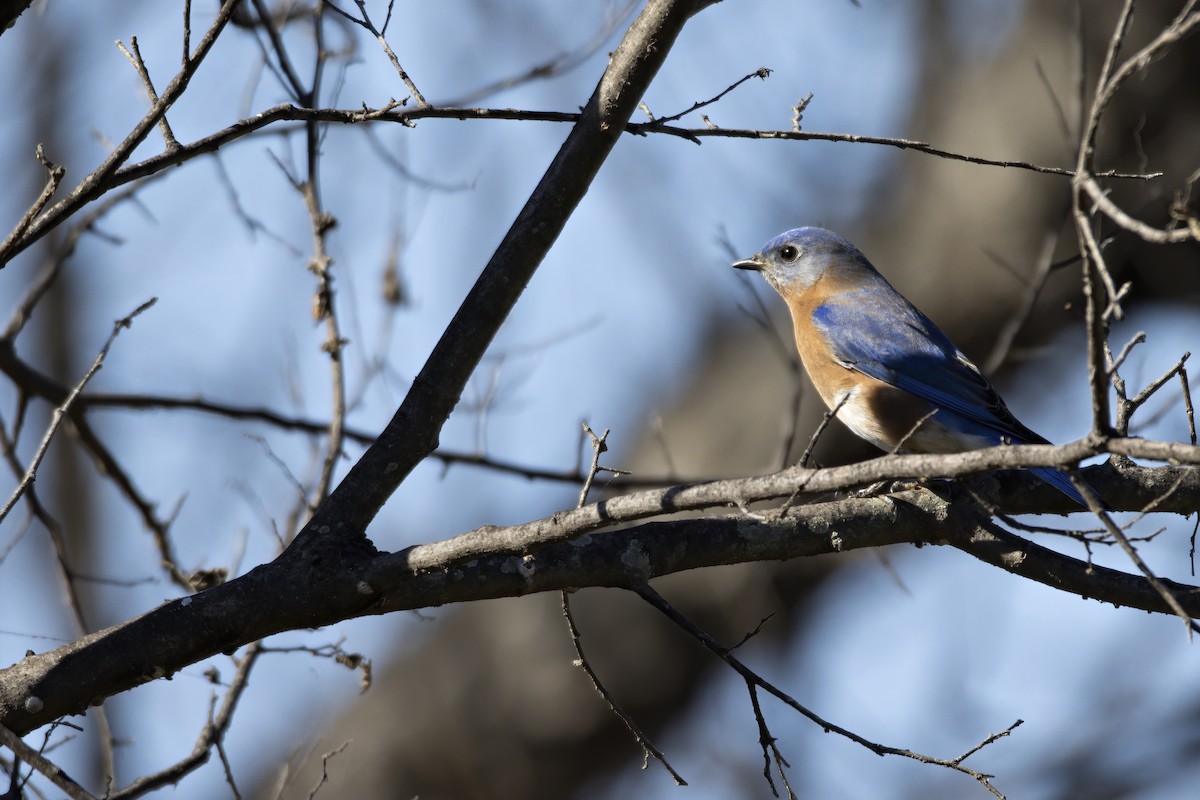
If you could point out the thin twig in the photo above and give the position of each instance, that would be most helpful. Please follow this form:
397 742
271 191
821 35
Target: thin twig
365 22
211 735
1189 410
1119 360
753 679
899 448
1111 78
1044 265
54 177
112 470
1118 215
139 64
648 747
52 771
41 386
325 759
581 660
762 73
989 740
287 73
1094 323
599 446
103 178
771 754
1145 394
696 134
1096 507
187 32
61 412
392 113
826 418
52 266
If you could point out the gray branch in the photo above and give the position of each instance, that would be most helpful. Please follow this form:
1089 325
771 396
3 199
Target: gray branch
332 578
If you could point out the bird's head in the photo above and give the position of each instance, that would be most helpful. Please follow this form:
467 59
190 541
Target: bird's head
793 261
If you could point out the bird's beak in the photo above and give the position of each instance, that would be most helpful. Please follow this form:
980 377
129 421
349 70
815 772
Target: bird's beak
754 262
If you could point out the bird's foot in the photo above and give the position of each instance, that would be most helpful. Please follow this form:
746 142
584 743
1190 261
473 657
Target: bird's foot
881 490
872 490
942 487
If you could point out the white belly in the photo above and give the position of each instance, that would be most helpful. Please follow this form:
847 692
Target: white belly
929 436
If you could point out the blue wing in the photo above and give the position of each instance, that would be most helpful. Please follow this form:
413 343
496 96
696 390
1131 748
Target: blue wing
877 332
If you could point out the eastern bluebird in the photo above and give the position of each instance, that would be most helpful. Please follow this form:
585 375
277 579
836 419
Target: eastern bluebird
899 380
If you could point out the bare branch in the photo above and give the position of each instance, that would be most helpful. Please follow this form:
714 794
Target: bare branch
1113 77
753 679
761 73
1148 232
55 174
1097 508
826 418
52 771
730 493
325 759
365 22
51 268
1007 334
211 736
98 184
581 660
65 408
100 180
413 432
139 64
638 735
693 134
329 579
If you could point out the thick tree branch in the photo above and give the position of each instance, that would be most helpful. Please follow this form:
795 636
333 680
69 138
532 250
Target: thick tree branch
10 10
414 431
1034 497
318 585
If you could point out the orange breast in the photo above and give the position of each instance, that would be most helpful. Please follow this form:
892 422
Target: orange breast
872 409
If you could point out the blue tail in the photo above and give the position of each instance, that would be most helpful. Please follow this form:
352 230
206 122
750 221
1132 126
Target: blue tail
1060 481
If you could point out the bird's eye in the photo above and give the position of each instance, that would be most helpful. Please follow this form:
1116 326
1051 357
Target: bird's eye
789 252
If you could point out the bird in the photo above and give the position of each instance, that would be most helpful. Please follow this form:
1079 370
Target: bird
886 370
